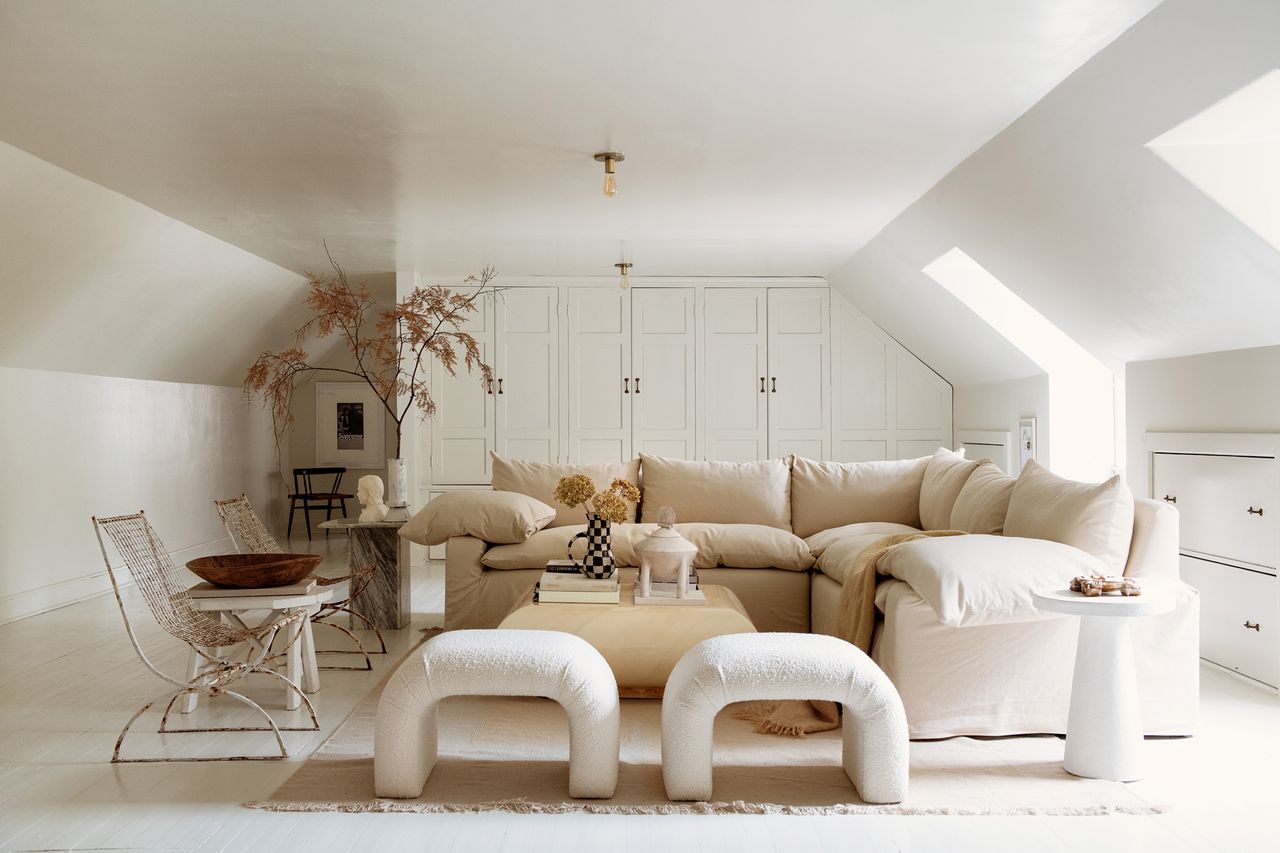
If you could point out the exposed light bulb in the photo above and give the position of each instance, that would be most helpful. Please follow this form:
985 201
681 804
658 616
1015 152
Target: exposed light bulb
610 188
623 280
610 160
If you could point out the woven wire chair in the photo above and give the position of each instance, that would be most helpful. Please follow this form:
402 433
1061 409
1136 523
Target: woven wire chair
248 533
156 577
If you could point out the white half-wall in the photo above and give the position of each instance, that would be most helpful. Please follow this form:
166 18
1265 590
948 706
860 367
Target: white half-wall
1232 391
78 445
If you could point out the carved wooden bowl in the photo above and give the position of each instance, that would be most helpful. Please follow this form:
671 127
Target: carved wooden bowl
254 571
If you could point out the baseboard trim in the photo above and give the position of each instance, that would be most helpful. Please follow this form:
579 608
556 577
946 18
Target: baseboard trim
42 599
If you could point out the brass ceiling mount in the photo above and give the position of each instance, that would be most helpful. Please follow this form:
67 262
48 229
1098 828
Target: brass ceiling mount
610 159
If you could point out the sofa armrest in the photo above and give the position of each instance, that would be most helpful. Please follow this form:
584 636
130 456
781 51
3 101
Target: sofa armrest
1153 552
463 573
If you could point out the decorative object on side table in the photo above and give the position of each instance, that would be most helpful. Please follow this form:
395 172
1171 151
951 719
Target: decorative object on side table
1095 585
254 571
369 492
1104 724
602 508
388 358
666 565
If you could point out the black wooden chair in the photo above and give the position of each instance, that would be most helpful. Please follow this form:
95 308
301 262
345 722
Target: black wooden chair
310 495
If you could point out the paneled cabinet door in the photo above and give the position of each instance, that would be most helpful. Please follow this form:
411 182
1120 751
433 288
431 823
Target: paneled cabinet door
462 433
735 391
527 374
800 372
662 368
600 375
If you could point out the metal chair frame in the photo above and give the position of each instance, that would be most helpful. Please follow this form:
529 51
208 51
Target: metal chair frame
155 575
248 533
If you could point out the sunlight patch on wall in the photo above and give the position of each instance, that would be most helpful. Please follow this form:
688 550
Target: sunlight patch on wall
1081 388
1231 153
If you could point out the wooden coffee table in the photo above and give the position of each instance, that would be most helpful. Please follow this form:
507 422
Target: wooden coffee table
641 644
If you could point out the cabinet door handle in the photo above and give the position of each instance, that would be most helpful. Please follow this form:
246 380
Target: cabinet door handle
773 384
637 384
1173 499
1253 626
1253 511
761 384
499 386
626 385
488 387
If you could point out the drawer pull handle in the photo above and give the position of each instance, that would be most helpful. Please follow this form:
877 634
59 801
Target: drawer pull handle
1253 511
1253 626
1173 499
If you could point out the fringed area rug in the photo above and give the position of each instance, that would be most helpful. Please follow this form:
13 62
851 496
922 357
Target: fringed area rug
511 754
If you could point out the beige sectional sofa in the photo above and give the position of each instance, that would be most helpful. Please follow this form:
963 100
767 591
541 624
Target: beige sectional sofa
954 631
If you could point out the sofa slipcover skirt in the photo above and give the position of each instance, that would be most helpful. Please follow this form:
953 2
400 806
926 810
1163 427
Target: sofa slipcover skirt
553 664
741 667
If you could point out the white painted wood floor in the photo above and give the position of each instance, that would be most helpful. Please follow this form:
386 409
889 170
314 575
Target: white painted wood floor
69 681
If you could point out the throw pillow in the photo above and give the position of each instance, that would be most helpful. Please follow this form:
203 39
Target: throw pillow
539 480
1097 518
497 517
724 492
833 494
944 477
983 502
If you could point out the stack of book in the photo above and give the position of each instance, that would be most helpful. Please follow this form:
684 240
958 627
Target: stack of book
564 583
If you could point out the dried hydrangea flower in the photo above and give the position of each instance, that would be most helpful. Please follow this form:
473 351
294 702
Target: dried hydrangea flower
575 489
610 507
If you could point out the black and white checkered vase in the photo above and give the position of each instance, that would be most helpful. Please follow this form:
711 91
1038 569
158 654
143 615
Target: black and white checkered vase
598 561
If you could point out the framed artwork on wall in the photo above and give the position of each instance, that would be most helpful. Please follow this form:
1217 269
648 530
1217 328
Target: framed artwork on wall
349 426
1026 441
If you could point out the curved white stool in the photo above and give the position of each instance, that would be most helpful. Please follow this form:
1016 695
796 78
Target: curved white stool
739 667
1104 725
498 663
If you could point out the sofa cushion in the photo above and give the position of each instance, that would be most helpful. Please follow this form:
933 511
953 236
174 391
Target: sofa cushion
1095 517
491 516
833 494
838 548
539 480
985 580
743 546
944 477
984 501
718 492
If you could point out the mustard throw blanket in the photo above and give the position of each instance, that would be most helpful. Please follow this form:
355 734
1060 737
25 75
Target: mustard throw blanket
856 616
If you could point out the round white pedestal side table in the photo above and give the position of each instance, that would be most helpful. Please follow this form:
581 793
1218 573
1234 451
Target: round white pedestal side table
1104 726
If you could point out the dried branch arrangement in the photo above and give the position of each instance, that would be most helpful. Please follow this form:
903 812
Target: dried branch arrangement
391 351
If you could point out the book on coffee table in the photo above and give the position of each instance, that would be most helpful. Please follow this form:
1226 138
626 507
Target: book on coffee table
556 596
577 583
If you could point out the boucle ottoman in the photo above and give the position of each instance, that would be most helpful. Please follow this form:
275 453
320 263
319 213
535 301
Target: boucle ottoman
499 662
741 667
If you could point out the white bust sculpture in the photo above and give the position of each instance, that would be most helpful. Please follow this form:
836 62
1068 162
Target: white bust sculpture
369 492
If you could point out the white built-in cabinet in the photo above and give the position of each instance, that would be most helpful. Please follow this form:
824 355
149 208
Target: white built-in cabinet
1226 488
595 373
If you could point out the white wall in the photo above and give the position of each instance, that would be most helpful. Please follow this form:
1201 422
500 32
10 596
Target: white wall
999 405
1233 391
77 445
102 298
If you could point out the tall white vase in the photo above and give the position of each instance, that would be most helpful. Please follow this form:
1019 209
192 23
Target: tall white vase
397 489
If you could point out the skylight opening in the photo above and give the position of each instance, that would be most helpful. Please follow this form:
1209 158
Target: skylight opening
1231 153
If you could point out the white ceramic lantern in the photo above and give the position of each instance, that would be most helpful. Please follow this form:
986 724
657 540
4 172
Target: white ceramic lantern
665 557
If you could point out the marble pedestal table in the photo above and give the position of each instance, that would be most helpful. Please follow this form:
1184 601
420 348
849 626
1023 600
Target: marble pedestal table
385 601
1104 723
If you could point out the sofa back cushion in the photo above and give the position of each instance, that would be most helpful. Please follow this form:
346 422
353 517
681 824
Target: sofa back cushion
1097 518
833 494
720 492
983 501
499 517
539 480
944 477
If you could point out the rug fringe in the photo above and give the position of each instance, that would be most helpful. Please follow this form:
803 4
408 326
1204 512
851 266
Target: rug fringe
701 808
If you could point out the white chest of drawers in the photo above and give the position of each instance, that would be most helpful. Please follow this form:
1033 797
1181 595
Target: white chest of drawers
1226 487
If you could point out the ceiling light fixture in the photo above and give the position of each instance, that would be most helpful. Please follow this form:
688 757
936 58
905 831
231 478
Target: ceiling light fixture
609 158
623 281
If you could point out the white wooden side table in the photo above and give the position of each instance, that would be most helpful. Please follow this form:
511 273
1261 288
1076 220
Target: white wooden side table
1104 725
301 666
